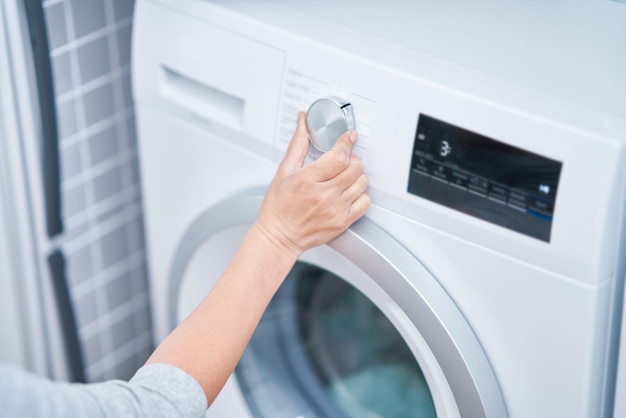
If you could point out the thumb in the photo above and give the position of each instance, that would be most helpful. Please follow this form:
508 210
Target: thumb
337 158
297 149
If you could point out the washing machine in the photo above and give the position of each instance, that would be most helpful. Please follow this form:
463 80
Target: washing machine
486 280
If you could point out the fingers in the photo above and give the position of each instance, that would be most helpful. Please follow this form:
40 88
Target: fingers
358 208
355 198
344 176
329 165
337 159
350 174
355 188
297 150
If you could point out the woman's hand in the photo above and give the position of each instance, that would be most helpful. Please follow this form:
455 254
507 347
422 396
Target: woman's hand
303 207
309 206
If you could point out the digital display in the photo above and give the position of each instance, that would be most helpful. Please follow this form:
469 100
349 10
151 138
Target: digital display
483 177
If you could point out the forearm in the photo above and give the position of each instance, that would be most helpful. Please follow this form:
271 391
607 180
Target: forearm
209 343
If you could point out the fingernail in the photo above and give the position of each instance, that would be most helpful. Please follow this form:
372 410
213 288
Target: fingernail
353 136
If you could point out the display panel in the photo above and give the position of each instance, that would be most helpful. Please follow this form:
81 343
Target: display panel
485 178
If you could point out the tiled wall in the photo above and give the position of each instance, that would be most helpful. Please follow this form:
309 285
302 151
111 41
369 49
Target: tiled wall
103 243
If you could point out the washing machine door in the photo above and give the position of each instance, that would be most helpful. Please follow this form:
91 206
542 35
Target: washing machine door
359 328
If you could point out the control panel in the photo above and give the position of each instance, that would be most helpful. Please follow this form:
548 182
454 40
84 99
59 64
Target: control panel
483 177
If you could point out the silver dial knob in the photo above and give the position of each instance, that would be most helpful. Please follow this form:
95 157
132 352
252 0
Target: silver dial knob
326 120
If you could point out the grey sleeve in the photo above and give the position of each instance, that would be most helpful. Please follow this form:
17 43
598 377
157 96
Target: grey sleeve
156 390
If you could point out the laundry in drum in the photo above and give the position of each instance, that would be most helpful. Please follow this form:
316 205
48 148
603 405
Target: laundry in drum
324 350
369 368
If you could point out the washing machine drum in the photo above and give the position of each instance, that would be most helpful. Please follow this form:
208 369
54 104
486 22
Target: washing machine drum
323 349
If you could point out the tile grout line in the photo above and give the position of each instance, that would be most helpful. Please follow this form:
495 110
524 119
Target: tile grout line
90 37
104 277
97 127
97 169
108 226
91 85
114 316
98 369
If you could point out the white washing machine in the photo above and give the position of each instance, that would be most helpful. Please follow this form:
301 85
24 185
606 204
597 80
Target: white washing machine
487 278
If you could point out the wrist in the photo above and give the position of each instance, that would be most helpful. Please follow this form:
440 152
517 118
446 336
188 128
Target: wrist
275 242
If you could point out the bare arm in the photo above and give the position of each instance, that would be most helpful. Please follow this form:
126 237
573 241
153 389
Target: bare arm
304 207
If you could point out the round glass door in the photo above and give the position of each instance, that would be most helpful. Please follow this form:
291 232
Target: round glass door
323 349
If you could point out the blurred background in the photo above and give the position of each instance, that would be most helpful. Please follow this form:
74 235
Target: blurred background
101 235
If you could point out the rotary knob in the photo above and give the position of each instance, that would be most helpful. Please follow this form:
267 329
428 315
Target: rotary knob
326 120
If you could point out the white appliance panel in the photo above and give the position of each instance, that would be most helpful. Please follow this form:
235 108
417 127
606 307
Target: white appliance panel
545 311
